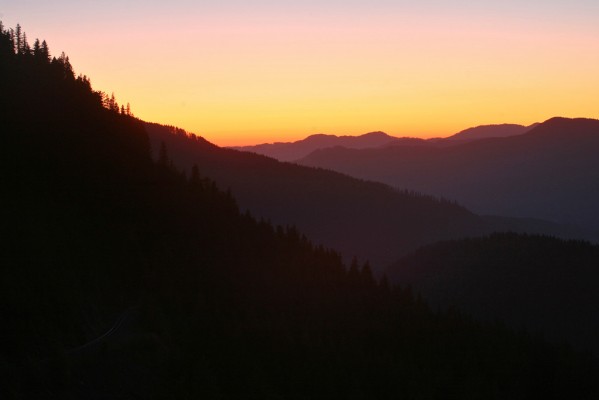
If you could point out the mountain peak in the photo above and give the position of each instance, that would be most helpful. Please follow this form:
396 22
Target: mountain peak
566 127
489 131
570 121
292 151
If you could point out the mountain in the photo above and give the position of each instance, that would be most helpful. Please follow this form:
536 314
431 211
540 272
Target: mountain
490 131
301 148
292 151
549 172
537 283
124 278
359 218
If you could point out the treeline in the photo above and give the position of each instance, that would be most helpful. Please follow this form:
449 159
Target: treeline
36 59
217 304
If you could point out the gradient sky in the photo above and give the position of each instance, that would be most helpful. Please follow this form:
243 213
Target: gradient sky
244 72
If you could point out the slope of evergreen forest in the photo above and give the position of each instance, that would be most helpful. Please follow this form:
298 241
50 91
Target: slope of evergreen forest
543 284
358 218
122 278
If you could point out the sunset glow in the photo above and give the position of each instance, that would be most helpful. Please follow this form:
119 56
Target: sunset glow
242 73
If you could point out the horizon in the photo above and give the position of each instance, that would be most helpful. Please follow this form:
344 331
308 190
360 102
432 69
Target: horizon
144 262
239 74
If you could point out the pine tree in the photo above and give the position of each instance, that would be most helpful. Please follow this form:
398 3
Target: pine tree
18 39
25 48
45 51
6 44
37 48
114 106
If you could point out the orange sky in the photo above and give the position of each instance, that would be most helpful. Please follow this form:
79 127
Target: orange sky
240 75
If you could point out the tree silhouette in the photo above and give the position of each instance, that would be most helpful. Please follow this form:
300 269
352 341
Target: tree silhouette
18 39
206 301
45 51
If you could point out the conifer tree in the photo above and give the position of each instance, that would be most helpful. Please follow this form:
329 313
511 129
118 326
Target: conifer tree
25 48
36 48
45 51
18 39
6 45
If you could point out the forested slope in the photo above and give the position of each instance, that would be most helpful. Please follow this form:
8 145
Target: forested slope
211 303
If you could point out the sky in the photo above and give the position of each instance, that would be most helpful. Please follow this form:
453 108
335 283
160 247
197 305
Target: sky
247 72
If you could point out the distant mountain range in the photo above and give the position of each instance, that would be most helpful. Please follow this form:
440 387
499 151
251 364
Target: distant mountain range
549 172
127 273
491 131
286 151
292 151
365 219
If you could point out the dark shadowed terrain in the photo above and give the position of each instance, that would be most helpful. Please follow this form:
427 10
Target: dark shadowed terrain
541 284
358 218
125 278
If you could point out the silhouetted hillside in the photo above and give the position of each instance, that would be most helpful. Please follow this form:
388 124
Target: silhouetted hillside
490 131
550 172
358 218
292 151
122 278
538 283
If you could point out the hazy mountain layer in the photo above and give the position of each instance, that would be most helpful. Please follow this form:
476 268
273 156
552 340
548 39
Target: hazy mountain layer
291 151
359 218
550 172
491 131
124 279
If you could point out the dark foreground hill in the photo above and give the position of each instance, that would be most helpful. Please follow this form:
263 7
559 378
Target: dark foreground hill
123 279
550 172
542 284
359 218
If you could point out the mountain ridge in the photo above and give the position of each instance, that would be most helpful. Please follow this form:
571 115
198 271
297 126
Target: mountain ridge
294 151
290 151
547 172
359 218
493 130
207 302
538 283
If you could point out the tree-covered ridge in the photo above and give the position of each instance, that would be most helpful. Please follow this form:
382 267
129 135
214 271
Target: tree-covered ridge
539 283
202 300
14 46
359 218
